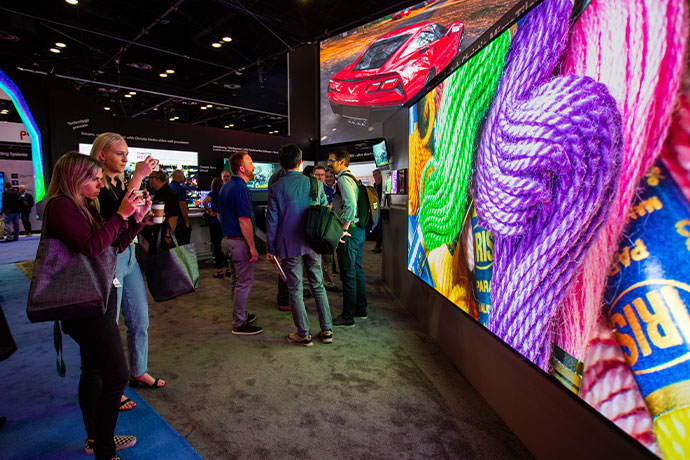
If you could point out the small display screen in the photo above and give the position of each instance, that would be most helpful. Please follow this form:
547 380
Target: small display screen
262 173
380 154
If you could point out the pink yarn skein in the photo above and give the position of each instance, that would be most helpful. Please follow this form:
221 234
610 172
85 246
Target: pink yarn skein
637 48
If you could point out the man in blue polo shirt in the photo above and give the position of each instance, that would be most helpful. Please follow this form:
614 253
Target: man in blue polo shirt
236 215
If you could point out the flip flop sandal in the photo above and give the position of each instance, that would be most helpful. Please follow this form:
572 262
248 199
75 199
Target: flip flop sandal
123 403
134 382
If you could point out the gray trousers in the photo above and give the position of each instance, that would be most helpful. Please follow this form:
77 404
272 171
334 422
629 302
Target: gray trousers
241 277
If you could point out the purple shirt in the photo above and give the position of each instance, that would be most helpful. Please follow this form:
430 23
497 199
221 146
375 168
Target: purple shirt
67 222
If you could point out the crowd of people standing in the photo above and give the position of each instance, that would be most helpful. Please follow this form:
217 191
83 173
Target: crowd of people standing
92 207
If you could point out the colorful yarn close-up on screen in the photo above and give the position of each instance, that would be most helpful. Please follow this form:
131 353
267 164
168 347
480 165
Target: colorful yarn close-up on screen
637 49
419 150
444 180
546 166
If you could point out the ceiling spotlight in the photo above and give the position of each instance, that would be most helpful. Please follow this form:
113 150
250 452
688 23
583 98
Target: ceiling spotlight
72 2
132 93
55 50
227 39
231 125
106 108
209 106
227 126
162 75
216 45
203 107
172 119
128 95
60 45
170 71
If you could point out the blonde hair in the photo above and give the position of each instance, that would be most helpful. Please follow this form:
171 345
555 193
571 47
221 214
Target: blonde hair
102 143
71 172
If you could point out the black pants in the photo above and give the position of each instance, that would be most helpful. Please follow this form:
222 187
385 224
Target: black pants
183 233
283 293
216 232
103 375
26 222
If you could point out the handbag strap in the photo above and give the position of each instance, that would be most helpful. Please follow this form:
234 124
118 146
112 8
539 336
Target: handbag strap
313 189
57 341
162 236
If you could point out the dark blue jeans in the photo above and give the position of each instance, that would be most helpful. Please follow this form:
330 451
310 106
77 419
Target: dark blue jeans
352 275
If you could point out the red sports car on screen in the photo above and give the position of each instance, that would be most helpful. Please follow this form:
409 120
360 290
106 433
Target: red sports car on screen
391 70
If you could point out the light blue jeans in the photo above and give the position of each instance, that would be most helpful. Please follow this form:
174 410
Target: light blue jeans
131 298
241 277
293 271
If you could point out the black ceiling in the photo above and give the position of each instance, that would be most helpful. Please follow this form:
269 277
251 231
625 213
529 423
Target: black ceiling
114 47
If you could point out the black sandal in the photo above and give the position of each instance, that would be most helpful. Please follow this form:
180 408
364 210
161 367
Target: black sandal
134 382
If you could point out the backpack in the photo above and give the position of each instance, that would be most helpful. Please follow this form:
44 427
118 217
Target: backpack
367 204
323 227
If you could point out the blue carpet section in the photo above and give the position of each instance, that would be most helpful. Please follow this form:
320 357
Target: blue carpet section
43 416
22 249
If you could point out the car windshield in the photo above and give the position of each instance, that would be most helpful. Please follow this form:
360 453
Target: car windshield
379 52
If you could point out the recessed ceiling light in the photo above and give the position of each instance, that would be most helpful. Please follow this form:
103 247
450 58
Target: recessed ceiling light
203 107
55 50
209 106
106 108
72 2
227 126
227 39
128 95
231 125
170 71
162 75
172 119
132 93
60 45
216 45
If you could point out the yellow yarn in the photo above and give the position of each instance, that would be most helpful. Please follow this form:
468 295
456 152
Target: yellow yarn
419 152
444 274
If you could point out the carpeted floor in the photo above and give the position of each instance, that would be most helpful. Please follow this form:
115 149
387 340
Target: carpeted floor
383 389
43 417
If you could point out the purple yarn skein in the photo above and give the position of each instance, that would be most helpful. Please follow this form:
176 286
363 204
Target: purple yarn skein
546 165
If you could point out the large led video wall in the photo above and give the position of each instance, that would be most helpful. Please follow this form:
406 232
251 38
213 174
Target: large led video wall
370 72
532 210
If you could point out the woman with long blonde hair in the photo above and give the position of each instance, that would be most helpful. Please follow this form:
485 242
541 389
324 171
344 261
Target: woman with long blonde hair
71 217
112 150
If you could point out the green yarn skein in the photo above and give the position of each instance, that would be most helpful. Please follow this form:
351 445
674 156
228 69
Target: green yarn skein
467 94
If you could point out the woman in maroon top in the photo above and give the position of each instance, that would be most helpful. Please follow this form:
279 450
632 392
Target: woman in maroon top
76 182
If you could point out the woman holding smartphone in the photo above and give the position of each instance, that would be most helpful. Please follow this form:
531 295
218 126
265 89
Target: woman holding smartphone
71 217
112 150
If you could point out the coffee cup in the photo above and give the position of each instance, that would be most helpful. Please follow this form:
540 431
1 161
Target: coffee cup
158 212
